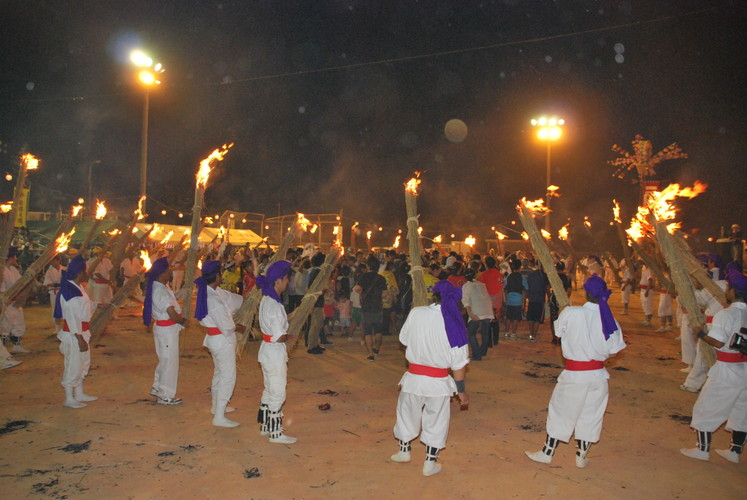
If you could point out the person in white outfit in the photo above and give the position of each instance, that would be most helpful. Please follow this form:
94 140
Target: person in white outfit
161 307
436 341
214 309
74 307
646 286
12 322
626 285
100 284
273 355
52 279
589 335
724 395
665 310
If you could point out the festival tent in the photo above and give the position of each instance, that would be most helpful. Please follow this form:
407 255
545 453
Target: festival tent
208 234
44 231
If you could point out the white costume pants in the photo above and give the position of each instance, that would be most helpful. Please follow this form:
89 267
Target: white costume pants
102 293
166 377
577 408
4 354
717 403
431 412
77 363
276 378
699 370
665 305
687 341
224 374
13 322
52 301
626 294
647 303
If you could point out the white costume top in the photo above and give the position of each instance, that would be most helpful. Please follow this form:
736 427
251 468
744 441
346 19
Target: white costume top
129 267
221 306
52 277
725 324
75 312
163 298
103 268
707 301
580 327
646 275
274 322
475 296
424 334
11 274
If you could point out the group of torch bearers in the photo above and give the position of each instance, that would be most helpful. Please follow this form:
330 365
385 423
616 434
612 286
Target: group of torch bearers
434 334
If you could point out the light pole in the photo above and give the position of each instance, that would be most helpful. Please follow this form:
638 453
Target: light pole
148 77
548 130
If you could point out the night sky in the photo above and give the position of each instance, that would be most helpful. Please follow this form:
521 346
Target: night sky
333 104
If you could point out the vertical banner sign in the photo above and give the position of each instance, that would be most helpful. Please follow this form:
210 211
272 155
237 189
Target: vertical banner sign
23 208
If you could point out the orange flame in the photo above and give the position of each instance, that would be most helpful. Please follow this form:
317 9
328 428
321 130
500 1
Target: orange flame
313 229
396 241
437 239
587 222
412 185
661 203
76 210
368 234
525 235
203 174
354 226
100 210
420 231
114 232
335 230
563 232
536 206
62 242
145 258
31 161
303 222
470 240
616 211
139 209
545 234
222 232
6 207
500 235
167 237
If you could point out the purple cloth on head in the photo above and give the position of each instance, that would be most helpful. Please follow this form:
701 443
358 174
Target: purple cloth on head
453 321
597 288
737 281
67 288
157 269
209 269
275 272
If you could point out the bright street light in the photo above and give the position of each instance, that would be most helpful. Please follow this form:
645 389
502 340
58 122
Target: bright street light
548 130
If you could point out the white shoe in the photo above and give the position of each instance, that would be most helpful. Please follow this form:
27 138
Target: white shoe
10 363
430 468
81 396
72 403
731 456
153 392
169 401
538 456
685 388
283 439
19 349
581 462
401 457
695 453
224 422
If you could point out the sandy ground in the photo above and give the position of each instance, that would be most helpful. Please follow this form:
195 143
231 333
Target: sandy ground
126 446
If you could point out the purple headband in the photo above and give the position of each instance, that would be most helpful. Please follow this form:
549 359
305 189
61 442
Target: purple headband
275 272
597 288
68 289
453 321
209 269
157 269
737 281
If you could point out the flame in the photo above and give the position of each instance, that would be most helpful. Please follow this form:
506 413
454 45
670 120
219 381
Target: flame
396 241
354 226
338 246
661 203
100 210
563 232
616 211
146 259
313 228
303 222
470 240
368 234
335 230
420 231
412 185
536 206
135 230
62 242
139 209
587 222
205 165
525 235
500 235
208 220
546 234
437 239
31 162
222 232
167 237
76 210
6 207
114 232
155 227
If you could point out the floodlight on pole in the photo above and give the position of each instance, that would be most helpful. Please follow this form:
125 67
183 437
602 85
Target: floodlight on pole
549 130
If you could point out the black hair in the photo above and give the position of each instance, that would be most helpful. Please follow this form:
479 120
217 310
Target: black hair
318 259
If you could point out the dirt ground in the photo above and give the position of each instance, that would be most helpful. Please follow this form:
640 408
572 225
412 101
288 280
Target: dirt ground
126 446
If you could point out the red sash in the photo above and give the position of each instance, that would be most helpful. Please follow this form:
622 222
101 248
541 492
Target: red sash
643 287
709 320
86 325
428 371
165 322
267 338
214 331
582 366
731 357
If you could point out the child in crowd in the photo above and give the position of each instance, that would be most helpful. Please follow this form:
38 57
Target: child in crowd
345 308
329 312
